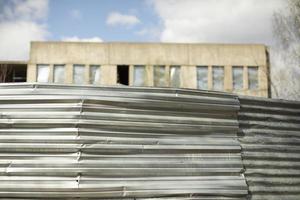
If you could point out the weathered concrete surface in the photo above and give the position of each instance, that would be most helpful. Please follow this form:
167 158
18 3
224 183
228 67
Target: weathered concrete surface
188 56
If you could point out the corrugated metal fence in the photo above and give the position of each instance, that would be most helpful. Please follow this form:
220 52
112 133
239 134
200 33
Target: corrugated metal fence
68 141
138 143
270 139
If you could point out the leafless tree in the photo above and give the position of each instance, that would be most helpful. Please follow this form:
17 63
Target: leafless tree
287 30
5 71
286 54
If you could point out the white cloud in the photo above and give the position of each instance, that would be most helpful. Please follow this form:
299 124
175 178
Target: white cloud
152 32
76 14
77 39
25 10
229 21
232 21
15 39
116 18
20 23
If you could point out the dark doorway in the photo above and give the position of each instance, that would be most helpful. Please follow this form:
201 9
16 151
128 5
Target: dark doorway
123 74
12 72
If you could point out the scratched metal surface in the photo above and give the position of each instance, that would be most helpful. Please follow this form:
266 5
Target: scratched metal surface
118 142
270 140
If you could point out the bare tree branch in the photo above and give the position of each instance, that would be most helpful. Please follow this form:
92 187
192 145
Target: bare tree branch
5 71
286 58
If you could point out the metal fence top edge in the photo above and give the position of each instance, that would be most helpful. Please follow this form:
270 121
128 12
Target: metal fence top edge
117 88
120 88
267 100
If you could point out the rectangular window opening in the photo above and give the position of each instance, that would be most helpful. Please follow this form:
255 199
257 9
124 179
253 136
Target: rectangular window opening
43 73
95 74
139 78
237 76
253 77
159 75
10 72
123 74
202 73
59 73
78 74
218 78
175 76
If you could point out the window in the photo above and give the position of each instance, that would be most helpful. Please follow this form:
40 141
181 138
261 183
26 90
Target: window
139 75
253 78
19 73
43 73
78 74
123 74
95 74
237 76
159 75
202 73
175 76
218 77
58 73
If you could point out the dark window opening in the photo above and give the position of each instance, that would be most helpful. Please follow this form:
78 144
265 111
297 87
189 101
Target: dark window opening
123 74
13 72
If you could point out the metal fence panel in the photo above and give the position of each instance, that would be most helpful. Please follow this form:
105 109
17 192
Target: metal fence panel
59 141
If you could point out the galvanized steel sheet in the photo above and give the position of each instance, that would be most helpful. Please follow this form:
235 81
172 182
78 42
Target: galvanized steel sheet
63 141
59 141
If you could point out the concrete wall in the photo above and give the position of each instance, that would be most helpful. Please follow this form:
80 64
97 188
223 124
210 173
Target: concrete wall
188 56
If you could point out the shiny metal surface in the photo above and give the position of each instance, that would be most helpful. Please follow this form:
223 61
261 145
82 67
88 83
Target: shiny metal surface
59 141
270 140
70 142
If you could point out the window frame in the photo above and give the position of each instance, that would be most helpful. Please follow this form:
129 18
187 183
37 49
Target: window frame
64 74
197 76
171 84
256 79
144 78
163 82
37 73
233 77
213 77
95 81
83 73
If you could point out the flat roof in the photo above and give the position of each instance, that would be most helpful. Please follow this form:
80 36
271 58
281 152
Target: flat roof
14 62
154 43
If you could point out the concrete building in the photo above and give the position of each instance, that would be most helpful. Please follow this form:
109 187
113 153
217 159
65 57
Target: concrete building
238 68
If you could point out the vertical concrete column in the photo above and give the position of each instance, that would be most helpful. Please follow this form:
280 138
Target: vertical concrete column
167 75
101 75
263 74
51 73
131 75
188 77
87 74
149 75
228 78
245 79
69 74
110 74
210 78
31 73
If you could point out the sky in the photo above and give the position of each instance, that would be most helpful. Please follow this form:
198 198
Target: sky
188 21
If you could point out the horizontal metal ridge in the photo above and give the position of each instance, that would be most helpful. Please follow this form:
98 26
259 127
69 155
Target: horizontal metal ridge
270 138
61 141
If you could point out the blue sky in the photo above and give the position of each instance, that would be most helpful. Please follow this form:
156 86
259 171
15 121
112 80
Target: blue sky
187 21
86 19
176 21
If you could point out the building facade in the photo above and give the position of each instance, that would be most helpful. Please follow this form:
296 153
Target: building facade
241 69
